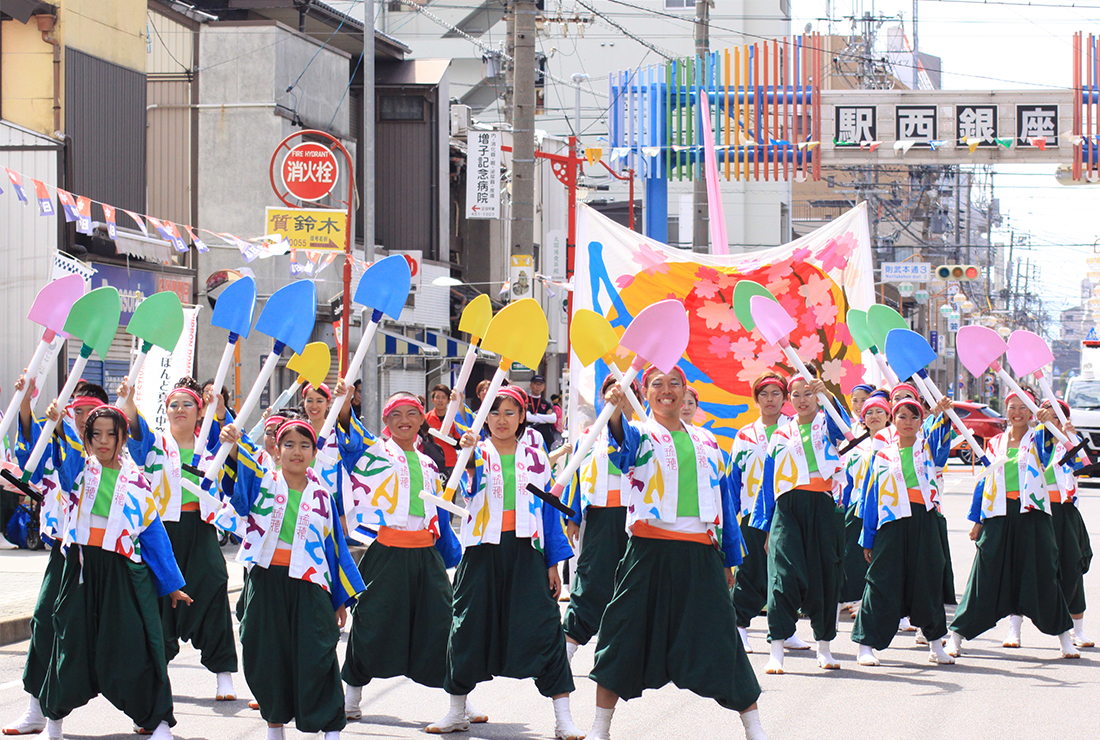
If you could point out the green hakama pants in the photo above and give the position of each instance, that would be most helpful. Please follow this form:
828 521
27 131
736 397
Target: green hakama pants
672 619
288 643
948 570
804 564
505 620
38 656
1074 553
602 548
207 623
905 579
1015 571
855 565
401 621
108 640
750 595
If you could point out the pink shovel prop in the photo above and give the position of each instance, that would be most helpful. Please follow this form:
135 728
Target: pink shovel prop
658 335
980 349
1027 354
775 325
50 309
718 241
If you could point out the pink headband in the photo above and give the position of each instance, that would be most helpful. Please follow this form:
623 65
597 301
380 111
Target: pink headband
515 393
85 401
400 401
297 423
875 403
188 391
103 409
653 369
909 402
322 389
274 419
770 381
1063 404
904 387
1014 394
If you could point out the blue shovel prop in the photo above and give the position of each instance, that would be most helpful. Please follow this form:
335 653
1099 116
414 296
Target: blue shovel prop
288 318
233 311
908 354
384 288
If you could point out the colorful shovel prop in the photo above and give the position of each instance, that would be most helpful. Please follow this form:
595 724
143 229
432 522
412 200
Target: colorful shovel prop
592 338
658 335
50 309
909 354
474 321
384 288
288 317
93 320
775 325
518 333
980 348
1027 354
312 367
233 311
157 322
861 335
743 293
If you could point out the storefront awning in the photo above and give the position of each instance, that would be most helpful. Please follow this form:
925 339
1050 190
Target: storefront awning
449 347
391 343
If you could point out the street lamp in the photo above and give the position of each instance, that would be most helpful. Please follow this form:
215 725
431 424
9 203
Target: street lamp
967 307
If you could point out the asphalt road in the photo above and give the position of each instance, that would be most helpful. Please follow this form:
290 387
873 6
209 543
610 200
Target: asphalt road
991 693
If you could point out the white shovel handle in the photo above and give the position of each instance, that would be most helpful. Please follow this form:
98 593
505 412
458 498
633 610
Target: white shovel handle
246 409
48 428
888 374
466 453
932 396
1003 375
219 381
280 402
349 378
639 409
32 370
823 400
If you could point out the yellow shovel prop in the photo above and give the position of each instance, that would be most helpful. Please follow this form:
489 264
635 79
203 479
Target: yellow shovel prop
312 367
593 338
518 333
475 322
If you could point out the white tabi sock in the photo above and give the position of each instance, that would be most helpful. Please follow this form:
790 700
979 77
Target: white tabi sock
775 663
353 697
1012 639
570 650
867 656
601 724
744 635
825 657
226 692
31 721
455 721
564 727
955 644
753 729
275 733
163 732
332 735
1079 633
52 731
1065 640
936 653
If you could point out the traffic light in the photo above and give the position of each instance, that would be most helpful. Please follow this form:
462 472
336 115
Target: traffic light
958 272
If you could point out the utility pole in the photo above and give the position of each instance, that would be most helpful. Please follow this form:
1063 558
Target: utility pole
372 407
700 234
523 128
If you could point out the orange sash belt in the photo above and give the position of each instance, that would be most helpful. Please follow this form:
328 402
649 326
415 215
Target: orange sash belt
408 540
1055 493
190 506
281 557
95 538
509 524
915 496
817 483
649 532
614 500
1013 495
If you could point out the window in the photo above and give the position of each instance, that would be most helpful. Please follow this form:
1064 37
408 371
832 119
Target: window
679 4
400 108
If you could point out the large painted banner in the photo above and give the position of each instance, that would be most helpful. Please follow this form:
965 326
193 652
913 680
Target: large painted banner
816 279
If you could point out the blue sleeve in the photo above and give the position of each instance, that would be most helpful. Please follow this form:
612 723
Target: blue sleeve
870 510
470 482
732 544
938 434
1044 444
139 449
346 580
556 547
734 482
242 488
447 542
975 514
849 486
353 442
624 455
764 510
572 495
834 432
156 552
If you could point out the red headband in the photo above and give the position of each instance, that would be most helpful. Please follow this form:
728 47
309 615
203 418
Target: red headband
904 387
322 389
654 369
1063 404
297 423
188 391
400 401
1014 394
909 402
105 409
878 402
274 419
85 401
515 393
770 381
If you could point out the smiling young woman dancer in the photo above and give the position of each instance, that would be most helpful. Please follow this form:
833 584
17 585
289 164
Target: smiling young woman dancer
671 617
1015 569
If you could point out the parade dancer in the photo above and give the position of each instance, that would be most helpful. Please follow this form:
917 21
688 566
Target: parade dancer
671 617
901 537
401 621
505 617
690 408
300 573
1070 532
806 544
598 494
206 623
1015 569
118 561
874 415
315 404
751 480
65 449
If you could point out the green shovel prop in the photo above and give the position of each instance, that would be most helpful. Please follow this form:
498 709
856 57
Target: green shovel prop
861 335
93 320
157 322
288 317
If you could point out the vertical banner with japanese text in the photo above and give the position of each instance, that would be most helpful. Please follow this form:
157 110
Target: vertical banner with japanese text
483 175
162 369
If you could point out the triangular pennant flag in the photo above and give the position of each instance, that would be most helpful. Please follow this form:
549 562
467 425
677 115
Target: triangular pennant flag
45 202
937 143
808 145
870 145
505 287
68 205
161 228
17 183
325 262
973 143
137 220
175 237
84 213
619 152
1005 141
109 219
199 243
1039 142
904 145
295 268
651 151
593 155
